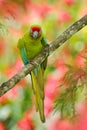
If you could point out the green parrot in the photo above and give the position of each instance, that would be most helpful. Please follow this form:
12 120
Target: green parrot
30 45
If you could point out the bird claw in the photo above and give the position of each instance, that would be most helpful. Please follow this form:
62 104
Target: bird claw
30 62
46 50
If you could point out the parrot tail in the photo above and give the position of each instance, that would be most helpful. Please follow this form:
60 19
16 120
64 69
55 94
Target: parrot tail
38 89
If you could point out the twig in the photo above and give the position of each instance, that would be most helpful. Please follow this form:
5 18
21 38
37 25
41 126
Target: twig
70 31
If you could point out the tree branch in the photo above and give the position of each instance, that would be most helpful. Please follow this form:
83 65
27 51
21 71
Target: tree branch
70 31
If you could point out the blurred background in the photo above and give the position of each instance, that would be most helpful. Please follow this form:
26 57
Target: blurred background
66 73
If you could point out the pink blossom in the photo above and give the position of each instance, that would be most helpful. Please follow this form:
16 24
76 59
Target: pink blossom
2 47
79 60
81 122
50 92
69 2
3 99
14 68
44 10
2 127
61 124
61 67
1 1
10 9
81 57
37 11
48 105
51 85
64 16
18 64
11 94
26 123
9 72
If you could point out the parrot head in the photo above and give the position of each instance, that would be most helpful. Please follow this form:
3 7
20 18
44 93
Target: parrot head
35 32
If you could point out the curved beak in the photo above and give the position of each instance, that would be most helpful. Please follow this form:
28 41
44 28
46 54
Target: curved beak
35 34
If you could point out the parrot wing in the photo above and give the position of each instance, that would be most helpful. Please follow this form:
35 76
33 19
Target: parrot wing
25 61
44 42
23 55
22 51
20 44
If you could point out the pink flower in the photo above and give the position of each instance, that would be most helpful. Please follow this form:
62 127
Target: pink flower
3 99
50 92
18 64
44 10
80 61
14 68
2 47
9 72
61 124
61 67
69 2
1 2
81 57
37 11
10 9
81 122
2 127
10 95
48 105
26 123
51 85
64 17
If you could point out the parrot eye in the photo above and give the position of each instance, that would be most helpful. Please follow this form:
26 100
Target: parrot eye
35 32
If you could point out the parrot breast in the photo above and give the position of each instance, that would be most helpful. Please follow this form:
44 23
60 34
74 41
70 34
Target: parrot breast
32 48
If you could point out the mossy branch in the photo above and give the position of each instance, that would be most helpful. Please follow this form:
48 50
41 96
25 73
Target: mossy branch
70 31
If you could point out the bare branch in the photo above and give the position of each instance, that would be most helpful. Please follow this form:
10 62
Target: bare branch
70 31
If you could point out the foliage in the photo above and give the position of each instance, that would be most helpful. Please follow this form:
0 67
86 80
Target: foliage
74 82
